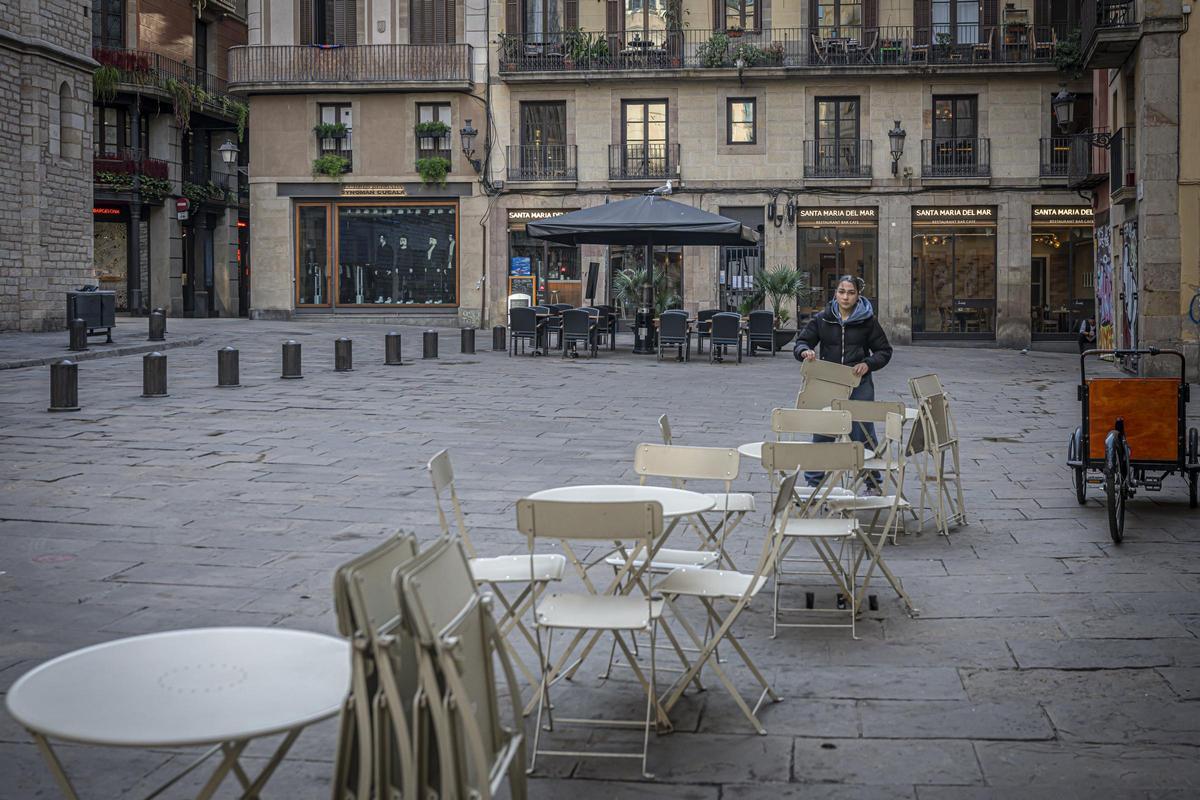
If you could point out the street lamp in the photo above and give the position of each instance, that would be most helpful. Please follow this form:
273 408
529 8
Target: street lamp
229 152
896 138
1063 106
468 134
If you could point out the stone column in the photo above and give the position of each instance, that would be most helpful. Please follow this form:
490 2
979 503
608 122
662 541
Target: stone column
1013 270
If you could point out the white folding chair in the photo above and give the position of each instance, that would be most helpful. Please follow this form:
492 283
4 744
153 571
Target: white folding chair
385 688
832 538
453 624
788 423
498 571
631 527
934 440
825 382
874 412
709 586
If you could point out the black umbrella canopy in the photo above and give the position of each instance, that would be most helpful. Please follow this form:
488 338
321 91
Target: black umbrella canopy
645 220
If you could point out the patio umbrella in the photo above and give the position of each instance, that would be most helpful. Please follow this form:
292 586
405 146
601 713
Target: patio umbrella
649 220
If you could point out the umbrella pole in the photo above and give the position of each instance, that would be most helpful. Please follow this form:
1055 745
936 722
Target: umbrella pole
644 338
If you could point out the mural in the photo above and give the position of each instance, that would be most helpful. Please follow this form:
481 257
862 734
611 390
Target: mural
1129 285
1104 288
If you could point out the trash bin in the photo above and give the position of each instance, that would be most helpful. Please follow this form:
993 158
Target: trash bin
95 307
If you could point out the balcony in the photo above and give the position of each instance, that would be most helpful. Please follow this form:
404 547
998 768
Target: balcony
1122 174
779 51
844 158
113 174
956 158
535 162
1087 164
643 161
209 187
365 67
1055 154
154 74
1109 31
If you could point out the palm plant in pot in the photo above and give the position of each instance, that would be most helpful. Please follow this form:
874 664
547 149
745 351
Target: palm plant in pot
780 284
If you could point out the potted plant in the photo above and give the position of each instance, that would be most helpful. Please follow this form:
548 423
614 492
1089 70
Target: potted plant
331 165
734 31
433 170
429 132
330 130
714 53
775 53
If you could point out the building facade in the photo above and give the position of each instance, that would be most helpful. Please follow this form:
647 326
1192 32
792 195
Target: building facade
783 115
45 146
1147 101
164 199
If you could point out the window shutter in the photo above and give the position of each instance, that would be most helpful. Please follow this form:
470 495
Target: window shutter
870 14
420 22
758 9
615 22
344 23
570 14
1041 13
922 16
812 14
512 17
306 22
989 15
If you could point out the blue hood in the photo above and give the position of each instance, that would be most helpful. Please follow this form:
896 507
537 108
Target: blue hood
861 313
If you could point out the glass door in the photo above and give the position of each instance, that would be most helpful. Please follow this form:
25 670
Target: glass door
644 138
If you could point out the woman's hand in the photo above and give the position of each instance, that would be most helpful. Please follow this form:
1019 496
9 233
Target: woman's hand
861 369
809 355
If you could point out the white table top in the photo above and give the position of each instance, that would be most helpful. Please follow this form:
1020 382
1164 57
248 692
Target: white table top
675 502
182 688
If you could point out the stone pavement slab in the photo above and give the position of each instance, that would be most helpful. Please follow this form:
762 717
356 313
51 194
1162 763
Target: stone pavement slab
1045 662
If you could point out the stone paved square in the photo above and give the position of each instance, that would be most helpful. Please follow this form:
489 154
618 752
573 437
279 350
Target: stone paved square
1045 662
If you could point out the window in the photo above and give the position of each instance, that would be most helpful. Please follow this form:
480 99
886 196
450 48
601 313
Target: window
107 130
108 23
955 146
956 21
645 152
741 14
543 140
344 146
832 15
836 150
540 17
200 49
328 22
741 120
434 146
432 22
645 16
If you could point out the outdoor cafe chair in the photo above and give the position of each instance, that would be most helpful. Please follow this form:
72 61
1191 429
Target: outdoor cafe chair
982 51
606 325
673 332
832 538
458 638
527 577
761 331
873 536
633 527
819 48
864 53
578 325
524 326
824 382
547 316
789 423
710 586
388 748
866 415
726 332
554 323
704 326
935 439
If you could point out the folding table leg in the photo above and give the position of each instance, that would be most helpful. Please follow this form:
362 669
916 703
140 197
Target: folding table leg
56 768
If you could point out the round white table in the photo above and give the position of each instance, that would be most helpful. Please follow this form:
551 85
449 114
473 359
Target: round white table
675 502
205 686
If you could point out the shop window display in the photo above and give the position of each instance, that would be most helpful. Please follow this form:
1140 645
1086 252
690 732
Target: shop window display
313 250
390 255
628 261
954 280
826 253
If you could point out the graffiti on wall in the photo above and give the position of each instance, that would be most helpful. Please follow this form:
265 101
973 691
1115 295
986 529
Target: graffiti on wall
1104 288
1129 285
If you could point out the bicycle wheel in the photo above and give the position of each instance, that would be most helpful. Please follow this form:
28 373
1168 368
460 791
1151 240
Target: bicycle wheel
1079 478
1116 482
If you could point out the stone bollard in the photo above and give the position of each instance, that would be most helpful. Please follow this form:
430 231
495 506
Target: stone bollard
154 375
291 360
343 355
78 331
158 325
499 333
429 346
228 374
467 341
391 349
64 386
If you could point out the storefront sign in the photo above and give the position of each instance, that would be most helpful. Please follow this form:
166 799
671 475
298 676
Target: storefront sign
954 215
866 215
1063 215
374 190
523 215
100 211
519 265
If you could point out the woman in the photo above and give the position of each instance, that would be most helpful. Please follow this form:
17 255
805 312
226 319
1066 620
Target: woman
847 332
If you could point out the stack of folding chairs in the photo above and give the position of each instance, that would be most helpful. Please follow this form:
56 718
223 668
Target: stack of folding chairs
934 439
424 717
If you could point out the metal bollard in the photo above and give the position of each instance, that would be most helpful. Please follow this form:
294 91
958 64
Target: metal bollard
499 333
343 357
154 375
429 344
291 360
78 329
158 325
228 374
391 349
467 342
64 386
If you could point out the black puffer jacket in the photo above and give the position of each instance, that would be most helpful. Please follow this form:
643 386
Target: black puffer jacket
859 340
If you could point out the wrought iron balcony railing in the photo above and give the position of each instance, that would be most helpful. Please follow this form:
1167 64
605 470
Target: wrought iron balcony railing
643 161
541 162
1122 174
956 158
1087 164
840 158
148 70
281 66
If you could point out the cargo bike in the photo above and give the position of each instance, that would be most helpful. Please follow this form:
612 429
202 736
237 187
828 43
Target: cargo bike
1134 434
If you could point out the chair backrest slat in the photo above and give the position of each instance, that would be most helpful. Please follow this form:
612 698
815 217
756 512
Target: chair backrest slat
688 463
829 372
868 410
812 456
818 394
809 421
725 326
559 519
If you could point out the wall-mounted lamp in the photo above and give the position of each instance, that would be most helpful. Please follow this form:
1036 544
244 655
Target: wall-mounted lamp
1063 106
896 138
741 65
229 152
468 134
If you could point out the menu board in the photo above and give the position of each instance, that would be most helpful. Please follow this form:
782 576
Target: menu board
522 284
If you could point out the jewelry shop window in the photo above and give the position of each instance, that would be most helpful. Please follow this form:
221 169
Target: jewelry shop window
385 254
